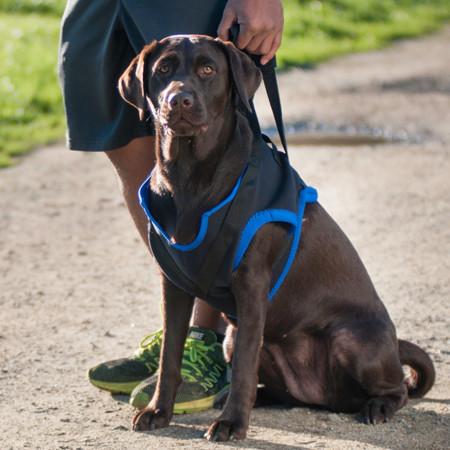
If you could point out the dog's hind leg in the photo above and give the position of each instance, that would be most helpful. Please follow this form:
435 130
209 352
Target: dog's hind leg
366 371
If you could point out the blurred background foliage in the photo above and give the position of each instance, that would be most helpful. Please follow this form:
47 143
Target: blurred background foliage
317 30
31 112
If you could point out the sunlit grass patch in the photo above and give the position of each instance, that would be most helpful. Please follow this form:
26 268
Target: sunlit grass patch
30 102
53 7
317 30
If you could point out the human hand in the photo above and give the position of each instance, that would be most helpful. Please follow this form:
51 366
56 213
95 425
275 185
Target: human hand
260 25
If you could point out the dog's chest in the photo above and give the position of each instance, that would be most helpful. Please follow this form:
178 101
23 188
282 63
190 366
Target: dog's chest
267 191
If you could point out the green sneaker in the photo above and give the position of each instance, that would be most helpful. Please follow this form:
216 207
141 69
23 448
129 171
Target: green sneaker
121 376
204 372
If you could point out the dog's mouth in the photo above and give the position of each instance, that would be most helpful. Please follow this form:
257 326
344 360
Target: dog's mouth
183 125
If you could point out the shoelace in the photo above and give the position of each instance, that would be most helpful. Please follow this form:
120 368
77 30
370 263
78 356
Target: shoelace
197 366
147 348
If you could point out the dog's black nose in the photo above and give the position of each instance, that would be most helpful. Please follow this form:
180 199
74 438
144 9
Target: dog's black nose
181 100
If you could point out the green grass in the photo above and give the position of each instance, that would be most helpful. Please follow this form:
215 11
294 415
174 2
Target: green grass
30 103
317 30
31 112
50 7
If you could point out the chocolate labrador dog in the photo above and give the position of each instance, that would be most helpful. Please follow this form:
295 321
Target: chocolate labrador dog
326 338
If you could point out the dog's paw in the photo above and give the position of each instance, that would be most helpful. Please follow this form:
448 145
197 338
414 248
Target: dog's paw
150 419
377 410
225 430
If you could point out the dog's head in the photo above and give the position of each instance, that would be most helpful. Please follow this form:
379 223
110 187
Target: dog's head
187 81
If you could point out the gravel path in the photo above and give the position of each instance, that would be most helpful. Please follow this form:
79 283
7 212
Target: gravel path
77 287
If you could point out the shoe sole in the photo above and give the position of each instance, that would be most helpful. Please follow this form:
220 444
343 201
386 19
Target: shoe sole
201 404
115 388
193 406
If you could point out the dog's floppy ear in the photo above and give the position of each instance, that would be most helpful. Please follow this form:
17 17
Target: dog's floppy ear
132 83
246 77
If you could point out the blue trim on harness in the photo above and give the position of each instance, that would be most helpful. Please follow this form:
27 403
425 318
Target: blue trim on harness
307 195
255 223
203 221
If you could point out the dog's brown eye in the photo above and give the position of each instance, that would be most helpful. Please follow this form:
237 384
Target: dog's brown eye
163 68
207 70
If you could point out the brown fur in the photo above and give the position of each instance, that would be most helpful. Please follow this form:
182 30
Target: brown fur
326 339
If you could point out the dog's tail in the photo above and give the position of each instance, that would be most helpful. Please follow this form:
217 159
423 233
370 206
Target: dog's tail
419 370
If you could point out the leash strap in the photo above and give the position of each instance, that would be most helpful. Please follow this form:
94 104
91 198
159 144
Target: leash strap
271 85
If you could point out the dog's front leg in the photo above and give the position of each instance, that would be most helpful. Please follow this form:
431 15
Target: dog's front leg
177 309
250 288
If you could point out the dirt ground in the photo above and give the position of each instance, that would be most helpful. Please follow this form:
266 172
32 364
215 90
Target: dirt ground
77 286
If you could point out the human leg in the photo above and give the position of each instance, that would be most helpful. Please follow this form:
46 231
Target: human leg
95 37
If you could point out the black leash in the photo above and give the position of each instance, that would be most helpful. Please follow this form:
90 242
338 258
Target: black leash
271 85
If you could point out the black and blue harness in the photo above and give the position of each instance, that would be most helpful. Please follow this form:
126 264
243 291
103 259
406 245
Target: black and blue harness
269 190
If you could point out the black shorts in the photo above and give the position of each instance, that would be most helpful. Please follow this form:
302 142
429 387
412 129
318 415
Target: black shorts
99 38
